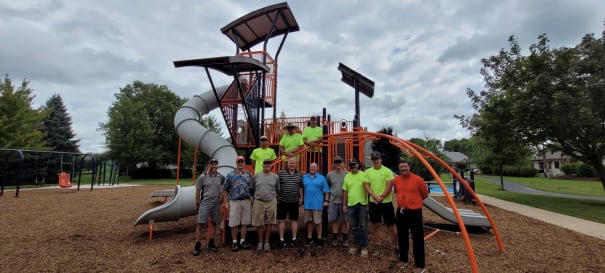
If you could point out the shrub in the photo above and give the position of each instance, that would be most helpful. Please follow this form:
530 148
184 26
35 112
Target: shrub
519 171
584 170
569 169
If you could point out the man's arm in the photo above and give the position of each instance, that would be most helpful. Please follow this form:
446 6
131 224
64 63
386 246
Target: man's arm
344 201
366 186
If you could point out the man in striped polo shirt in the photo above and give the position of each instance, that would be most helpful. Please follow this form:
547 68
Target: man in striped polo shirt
289 200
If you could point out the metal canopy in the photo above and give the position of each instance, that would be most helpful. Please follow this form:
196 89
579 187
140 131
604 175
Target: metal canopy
226 64
255 27
350 76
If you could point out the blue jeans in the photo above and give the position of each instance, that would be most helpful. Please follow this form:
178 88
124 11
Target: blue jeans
358 220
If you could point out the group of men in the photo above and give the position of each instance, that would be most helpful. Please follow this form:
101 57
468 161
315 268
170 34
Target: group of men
266 199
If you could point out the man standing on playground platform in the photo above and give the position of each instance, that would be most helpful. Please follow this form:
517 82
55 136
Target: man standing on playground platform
238 203
291 142
208 199
411 191
261 153
312 137
265 187
381 201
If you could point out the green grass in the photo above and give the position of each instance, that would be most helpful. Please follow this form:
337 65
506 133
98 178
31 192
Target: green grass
585 209
579 187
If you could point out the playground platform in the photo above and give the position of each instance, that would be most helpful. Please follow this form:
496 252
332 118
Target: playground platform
590 228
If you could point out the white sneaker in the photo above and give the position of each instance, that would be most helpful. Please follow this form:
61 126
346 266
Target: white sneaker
267 247
353 251
364 252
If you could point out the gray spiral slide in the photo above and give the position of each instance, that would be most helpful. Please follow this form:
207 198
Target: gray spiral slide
469 217
188 127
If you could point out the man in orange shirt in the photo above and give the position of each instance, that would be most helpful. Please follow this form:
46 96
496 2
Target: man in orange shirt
411 191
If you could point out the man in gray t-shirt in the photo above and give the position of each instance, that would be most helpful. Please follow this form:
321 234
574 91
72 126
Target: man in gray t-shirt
208 199
335 215
265 186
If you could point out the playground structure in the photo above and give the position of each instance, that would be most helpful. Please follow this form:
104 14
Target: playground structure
243 104
16 161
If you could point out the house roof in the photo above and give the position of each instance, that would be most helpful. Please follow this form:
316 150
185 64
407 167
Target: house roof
455 157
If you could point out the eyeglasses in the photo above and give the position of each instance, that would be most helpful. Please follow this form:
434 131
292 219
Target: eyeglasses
240 161
337 161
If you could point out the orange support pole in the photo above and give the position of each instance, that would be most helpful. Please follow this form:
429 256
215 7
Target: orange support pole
150 231
431 234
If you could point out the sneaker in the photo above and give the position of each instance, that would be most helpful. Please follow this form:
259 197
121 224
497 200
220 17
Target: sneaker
401 264
353 251
419 270
267 247
234 247
282 244
364 252
309 242
294 243
245 245
212 248
259 247
197 251
320 243
345 243
335 242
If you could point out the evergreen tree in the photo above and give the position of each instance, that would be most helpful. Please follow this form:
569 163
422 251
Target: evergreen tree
57 126
390 153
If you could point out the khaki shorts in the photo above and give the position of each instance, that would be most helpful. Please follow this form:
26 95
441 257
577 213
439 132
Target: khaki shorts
264 213
313 216
240 212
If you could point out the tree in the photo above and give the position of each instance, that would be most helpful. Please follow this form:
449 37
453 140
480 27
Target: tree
462 145
552 96
390 153
432 145
57 127
140 126
20 124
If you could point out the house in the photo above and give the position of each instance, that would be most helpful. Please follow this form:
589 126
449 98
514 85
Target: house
554 161
456 159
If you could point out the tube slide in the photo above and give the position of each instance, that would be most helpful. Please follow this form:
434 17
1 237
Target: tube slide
188 127
469 217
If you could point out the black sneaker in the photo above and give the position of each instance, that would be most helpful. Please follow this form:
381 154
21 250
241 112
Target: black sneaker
282 244
197 251
245 245
320 243
234 247
294 243
309 242
212 248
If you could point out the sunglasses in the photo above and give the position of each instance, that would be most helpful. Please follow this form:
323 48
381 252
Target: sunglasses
240 161
337 161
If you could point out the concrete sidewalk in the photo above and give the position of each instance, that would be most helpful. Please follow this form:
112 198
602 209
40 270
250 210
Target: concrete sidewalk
586 227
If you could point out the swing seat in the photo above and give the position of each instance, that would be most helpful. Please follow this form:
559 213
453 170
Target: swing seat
64 180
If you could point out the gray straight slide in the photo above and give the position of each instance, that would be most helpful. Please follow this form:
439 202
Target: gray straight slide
188 127
469 217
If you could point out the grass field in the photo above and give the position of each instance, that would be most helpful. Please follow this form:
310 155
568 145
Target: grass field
580 187
585 209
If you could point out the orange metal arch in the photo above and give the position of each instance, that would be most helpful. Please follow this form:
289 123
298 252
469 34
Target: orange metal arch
421 153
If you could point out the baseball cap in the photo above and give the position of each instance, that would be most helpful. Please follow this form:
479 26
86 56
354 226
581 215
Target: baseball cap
353 162
267 161
337 159
241 158
263 138
376 154
213 160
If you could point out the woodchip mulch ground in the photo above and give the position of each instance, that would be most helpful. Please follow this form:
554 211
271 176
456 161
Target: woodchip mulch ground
63 230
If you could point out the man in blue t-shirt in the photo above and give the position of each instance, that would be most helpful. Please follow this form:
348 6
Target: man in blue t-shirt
315 198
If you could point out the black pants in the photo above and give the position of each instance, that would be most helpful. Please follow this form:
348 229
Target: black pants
410 220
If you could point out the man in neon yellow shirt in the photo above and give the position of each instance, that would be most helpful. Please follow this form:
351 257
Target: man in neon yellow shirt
291 142
312 137
379 186
355 201
261 153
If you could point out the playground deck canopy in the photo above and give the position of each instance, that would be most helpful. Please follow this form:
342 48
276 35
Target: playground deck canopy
255 27
229 65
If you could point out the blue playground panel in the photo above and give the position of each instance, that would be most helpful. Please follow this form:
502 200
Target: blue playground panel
437 189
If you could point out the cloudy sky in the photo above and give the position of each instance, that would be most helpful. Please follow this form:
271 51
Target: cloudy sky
422 54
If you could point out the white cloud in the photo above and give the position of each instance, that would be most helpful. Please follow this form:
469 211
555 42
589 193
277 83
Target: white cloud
422 55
